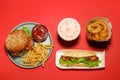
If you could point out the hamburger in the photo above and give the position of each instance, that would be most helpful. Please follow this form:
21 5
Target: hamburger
79 59
18 41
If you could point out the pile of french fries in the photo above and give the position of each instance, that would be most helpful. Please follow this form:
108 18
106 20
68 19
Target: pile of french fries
38 54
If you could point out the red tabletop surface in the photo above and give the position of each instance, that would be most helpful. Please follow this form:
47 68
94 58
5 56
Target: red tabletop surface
49 13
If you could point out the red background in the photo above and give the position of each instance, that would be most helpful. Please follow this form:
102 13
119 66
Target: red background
49 13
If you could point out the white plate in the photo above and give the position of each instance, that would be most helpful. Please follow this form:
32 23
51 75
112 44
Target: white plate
101 56
18 60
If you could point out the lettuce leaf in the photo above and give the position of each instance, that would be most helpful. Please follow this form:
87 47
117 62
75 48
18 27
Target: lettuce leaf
27 31
73 61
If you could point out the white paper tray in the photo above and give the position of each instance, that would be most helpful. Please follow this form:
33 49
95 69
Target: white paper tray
101 56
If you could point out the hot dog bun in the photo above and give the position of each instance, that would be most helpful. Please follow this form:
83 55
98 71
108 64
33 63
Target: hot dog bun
78 54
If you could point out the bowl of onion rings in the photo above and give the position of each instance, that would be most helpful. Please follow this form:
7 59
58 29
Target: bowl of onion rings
99 29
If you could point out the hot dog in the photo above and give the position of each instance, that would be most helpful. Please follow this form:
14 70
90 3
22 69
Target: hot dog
79 59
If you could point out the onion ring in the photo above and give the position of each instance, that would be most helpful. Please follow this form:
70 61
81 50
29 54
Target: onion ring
95 27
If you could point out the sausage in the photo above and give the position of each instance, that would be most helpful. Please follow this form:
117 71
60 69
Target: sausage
92 58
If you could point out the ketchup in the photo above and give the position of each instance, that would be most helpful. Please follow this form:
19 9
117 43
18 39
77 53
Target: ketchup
39 33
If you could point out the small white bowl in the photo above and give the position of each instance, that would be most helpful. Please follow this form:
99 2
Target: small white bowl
69 29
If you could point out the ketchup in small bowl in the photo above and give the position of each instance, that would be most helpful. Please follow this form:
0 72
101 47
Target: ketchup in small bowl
39 33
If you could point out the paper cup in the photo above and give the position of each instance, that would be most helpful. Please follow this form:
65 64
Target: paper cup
69 29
